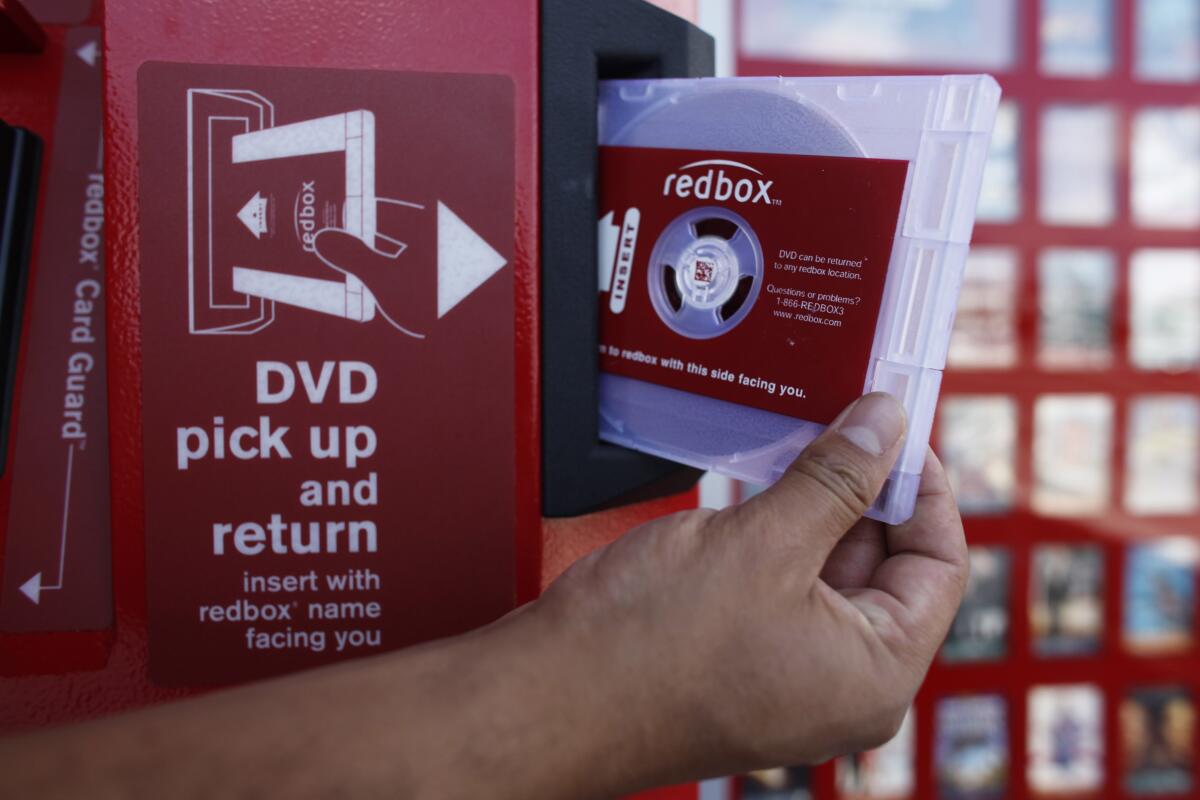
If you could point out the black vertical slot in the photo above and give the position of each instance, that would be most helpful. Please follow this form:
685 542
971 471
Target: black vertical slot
584 41
20 162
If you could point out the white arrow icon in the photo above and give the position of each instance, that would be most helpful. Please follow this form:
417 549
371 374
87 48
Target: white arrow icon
34 587
464 260
87 54
254 215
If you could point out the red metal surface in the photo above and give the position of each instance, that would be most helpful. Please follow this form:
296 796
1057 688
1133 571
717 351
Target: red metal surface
566 540
19 31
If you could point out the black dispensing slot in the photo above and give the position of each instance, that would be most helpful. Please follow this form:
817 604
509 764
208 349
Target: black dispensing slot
584 41
20 162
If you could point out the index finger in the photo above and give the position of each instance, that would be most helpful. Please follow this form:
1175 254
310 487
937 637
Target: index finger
926 568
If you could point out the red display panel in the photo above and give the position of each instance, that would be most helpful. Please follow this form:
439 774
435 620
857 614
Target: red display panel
1068 418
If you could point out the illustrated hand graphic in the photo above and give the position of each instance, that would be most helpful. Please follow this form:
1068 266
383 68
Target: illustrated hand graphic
403 294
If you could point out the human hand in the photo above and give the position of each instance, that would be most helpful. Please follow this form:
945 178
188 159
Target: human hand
785 630
782 631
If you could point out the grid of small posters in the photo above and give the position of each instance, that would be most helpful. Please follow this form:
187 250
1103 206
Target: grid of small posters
1064 749
1073 443
1065 723
1069 420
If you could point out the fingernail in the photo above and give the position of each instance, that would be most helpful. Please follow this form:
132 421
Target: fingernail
874 423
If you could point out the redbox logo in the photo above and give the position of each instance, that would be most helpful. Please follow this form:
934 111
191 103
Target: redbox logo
306 215
714 184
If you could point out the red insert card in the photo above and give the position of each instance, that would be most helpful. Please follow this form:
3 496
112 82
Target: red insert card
749 277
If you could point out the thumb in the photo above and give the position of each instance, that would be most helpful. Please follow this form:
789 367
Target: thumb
837 477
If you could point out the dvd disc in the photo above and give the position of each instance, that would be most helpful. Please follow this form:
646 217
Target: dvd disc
750 121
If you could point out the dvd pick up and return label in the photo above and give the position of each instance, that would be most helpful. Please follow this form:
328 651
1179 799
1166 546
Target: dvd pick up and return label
751 278
326 282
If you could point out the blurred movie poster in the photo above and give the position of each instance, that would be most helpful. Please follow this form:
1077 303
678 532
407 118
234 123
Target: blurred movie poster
1066 606
1162 474
1000 195
980 629
978 443
1157 735
1166 167
1066 745
1075 291
1160 596
1168 47
1071 454
885 773
965 33
971 748
985 327
1076 37
1078 155
1164 288
779 783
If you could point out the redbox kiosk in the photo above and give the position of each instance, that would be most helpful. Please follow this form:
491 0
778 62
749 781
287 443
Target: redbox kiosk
347 281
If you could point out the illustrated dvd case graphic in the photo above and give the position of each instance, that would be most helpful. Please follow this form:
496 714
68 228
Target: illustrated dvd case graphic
772 248
261 196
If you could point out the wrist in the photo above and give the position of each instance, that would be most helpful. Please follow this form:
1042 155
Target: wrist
626 716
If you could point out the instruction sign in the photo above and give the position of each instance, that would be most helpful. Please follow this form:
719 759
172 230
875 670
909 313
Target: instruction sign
327 356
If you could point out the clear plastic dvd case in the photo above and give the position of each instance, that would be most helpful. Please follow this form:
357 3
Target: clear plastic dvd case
940 126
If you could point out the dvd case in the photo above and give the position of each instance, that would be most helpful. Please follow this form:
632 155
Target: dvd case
807 246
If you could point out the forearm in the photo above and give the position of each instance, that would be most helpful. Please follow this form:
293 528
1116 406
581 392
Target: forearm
503 712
